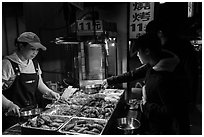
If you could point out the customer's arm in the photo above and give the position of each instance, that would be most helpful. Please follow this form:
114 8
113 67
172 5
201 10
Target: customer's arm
136 74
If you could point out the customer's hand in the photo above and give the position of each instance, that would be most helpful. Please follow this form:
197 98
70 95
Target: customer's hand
105 83
144 98
144 95
13 109
55 95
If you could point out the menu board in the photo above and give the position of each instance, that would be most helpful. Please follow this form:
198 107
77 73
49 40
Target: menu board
141 13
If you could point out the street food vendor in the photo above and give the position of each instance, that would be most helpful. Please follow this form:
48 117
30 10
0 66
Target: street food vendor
21 78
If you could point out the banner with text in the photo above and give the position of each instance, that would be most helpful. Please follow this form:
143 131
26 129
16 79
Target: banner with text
141 13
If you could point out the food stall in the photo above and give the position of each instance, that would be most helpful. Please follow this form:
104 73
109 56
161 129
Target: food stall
75 113
87 109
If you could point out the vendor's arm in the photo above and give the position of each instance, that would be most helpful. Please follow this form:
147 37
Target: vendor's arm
8 76
10 106
45 90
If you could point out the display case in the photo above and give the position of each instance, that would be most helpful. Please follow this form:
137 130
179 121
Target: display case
97 54
92 64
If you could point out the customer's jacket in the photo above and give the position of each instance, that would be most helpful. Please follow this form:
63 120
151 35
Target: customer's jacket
161 91
140 72
162 96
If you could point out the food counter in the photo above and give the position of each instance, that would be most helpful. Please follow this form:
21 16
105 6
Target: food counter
81 113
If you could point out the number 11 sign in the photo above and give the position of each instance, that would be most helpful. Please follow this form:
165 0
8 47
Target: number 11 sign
87 26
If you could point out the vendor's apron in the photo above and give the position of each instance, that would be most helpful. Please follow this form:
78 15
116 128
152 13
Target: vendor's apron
22 92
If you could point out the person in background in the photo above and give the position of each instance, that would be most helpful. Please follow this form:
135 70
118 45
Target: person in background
187 69
21 78
160 98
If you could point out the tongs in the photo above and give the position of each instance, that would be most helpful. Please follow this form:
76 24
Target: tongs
48 97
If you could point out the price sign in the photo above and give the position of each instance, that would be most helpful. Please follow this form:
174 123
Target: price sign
87 26
141 13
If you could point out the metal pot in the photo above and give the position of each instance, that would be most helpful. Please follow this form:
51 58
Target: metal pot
128 125
29 114
92 89
133 103
26 112
32 112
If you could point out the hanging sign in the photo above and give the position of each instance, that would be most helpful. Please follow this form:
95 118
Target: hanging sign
141 13
190 9
86 26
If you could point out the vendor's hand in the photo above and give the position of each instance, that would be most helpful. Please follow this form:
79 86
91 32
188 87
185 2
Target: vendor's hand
55 95
13 109
144 95
105 83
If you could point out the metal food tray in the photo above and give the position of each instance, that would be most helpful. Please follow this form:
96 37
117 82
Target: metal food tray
54 111
51 111
96 112
27 129
101 103
110 91
84 128
87 105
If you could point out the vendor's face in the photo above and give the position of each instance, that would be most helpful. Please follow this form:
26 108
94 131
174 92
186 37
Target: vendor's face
29 52
142 56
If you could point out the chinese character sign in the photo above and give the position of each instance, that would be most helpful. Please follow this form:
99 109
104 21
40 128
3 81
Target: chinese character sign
87 25
141 13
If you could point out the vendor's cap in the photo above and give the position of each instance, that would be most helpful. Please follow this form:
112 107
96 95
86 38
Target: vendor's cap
32 39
